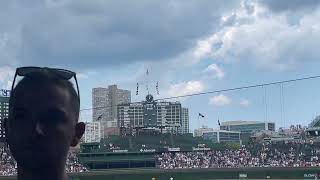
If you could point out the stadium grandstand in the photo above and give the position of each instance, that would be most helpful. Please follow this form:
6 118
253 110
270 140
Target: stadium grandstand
176 152
314 128
315 122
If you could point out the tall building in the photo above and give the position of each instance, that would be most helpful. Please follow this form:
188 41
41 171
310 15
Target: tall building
166 116
104 103
184 121
4 107
93 132
246 127
4 112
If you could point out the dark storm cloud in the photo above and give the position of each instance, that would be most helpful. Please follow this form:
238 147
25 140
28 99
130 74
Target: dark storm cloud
290 5
100 33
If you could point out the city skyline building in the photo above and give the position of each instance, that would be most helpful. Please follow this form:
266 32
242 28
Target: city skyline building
104 103
4 113
200 131
93 132
218 136
184 121
246 127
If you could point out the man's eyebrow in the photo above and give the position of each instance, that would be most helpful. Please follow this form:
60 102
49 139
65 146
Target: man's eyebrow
57 111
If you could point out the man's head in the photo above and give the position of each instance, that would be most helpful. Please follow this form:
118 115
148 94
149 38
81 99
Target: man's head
43 120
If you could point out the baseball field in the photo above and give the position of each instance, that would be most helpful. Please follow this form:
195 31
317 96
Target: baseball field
195 174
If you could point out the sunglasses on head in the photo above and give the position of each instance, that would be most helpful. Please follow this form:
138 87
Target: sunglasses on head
62 74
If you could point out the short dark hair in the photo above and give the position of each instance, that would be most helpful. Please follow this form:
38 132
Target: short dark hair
45 78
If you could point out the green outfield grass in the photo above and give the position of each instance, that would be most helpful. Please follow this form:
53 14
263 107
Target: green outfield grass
195 174
199 174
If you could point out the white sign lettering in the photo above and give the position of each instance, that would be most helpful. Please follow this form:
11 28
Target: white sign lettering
174 149
147 150
120 150
200 149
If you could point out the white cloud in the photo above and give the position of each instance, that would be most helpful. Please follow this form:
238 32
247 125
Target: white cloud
244 103
220 100
253 33
5 73
108 36
249 32
290 5
202 50
8 85
214 71
185 88
6 76
204 47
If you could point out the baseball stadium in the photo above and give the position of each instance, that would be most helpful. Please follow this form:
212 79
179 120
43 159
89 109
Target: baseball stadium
159 89
188 158
153 142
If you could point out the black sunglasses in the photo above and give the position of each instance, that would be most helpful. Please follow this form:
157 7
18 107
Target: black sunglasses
60 73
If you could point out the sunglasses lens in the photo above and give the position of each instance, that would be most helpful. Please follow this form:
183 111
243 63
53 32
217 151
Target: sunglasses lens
64 74
27 70
61 73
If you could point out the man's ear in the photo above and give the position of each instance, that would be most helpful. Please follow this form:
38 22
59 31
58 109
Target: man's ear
79 131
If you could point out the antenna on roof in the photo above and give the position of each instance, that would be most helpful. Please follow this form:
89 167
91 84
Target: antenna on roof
157 87
147 84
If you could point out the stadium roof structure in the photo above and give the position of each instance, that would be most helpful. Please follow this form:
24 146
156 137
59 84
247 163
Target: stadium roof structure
313 129
315 122
230 123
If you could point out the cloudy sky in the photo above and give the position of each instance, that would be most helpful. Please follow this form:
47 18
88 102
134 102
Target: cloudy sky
187 46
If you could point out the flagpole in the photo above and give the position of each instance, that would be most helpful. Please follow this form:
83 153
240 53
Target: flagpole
199 114
148 80
198 121
202 121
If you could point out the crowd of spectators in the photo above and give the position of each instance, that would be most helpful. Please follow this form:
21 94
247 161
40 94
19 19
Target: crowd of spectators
73 164
298 153
282 154
8 166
